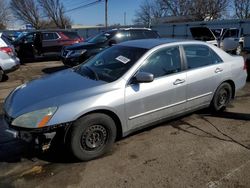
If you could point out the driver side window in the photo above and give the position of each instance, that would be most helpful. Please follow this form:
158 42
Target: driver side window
163 62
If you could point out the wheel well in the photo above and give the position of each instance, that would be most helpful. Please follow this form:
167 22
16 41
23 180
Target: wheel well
113 116
232 85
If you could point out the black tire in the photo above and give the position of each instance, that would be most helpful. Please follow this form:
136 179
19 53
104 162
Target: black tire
222 97
91 136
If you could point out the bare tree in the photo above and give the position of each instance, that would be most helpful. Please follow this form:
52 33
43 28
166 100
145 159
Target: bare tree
208 9
242 8
4 14
148 10
54 10
176 7
194 10
27 11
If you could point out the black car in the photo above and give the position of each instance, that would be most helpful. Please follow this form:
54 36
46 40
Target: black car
46 42
78 53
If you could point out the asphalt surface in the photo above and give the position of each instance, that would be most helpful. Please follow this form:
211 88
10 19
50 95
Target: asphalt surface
197 150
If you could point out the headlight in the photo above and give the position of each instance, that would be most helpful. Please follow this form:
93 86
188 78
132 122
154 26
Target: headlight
35 119
76 53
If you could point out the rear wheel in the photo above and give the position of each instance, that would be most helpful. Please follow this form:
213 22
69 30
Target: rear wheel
91 136
222 97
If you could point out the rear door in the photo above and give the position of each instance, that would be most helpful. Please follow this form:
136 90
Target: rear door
165 96
204 73
50 42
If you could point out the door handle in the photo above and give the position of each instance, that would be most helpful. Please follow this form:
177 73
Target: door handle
179 81
217 70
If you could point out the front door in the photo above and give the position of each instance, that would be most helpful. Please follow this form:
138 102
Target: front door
164 97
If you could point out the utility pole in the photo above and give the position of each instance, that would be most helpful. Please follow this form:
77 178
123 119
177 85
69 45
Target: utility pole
106 14
125 18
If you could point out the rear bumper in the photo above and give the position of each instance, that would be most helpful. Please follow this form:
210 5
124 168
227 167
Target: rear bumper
10 65
15 67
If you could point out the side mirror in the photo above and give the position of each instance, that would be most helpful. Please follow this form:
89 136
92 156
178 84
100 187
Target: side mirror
112 42
143 77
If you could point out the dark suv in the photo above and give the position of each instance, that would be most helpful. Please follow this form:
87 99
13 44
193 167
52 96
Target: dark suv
37 43
78 53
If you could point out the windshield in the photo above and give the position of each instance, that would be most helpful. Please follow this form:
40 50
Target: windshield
103 37
110 64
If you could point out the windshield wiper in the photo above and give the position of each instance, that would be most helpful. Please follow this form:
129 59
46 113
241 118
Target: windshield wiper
93 72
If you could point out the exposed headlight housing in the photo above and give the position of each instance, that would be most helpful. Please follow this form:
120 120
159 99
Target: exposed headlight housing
35 119
76 53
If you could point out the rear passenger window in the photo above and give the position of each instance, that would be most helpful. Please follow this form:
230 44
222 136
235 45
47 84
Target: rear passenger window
150 34
200 56
50 36
136 34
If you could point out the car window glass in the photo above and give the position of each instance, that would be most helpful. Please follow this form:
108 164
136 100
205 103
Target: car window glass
136 34
231 33
102 37
121 36
55 36
150 34
48 36
111 63
5 39
29 37
199 56
163 62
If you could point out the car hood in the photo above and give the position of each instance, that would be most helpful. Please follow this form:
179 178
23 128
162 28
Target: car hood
50 91
82 45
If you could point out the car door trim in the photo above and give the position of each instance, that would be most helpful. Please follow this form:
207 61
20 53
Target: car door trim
199 96
156 110
169 106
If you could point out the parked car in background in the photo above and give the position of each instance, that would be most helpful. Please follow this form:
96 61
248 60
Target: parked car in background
122 89
8 60
37 43
78 53
228 39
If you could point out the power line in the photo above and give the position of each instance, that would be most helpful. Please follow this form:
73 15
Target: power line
84 6
71 4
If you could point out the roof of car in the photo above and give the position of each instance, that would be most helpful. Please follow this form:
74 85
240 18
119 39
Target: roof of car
150 43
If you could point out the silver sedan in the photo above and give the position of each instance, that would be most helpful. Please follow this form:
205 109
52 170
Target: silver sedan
122 89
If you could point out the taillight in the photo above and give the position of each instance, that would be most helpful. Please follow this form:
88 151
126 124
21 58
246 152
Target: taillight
7 50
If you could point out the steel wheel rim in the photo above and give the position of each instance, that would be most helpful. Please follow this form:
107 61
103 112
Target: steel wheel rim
223 97
94 137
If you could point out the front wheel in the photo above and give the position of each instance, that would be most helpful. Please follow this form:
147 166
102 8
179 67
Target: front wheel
91 136
222 97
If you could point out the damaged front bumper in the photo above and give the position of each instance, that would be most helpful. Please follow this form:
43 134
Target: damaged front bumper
40 137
